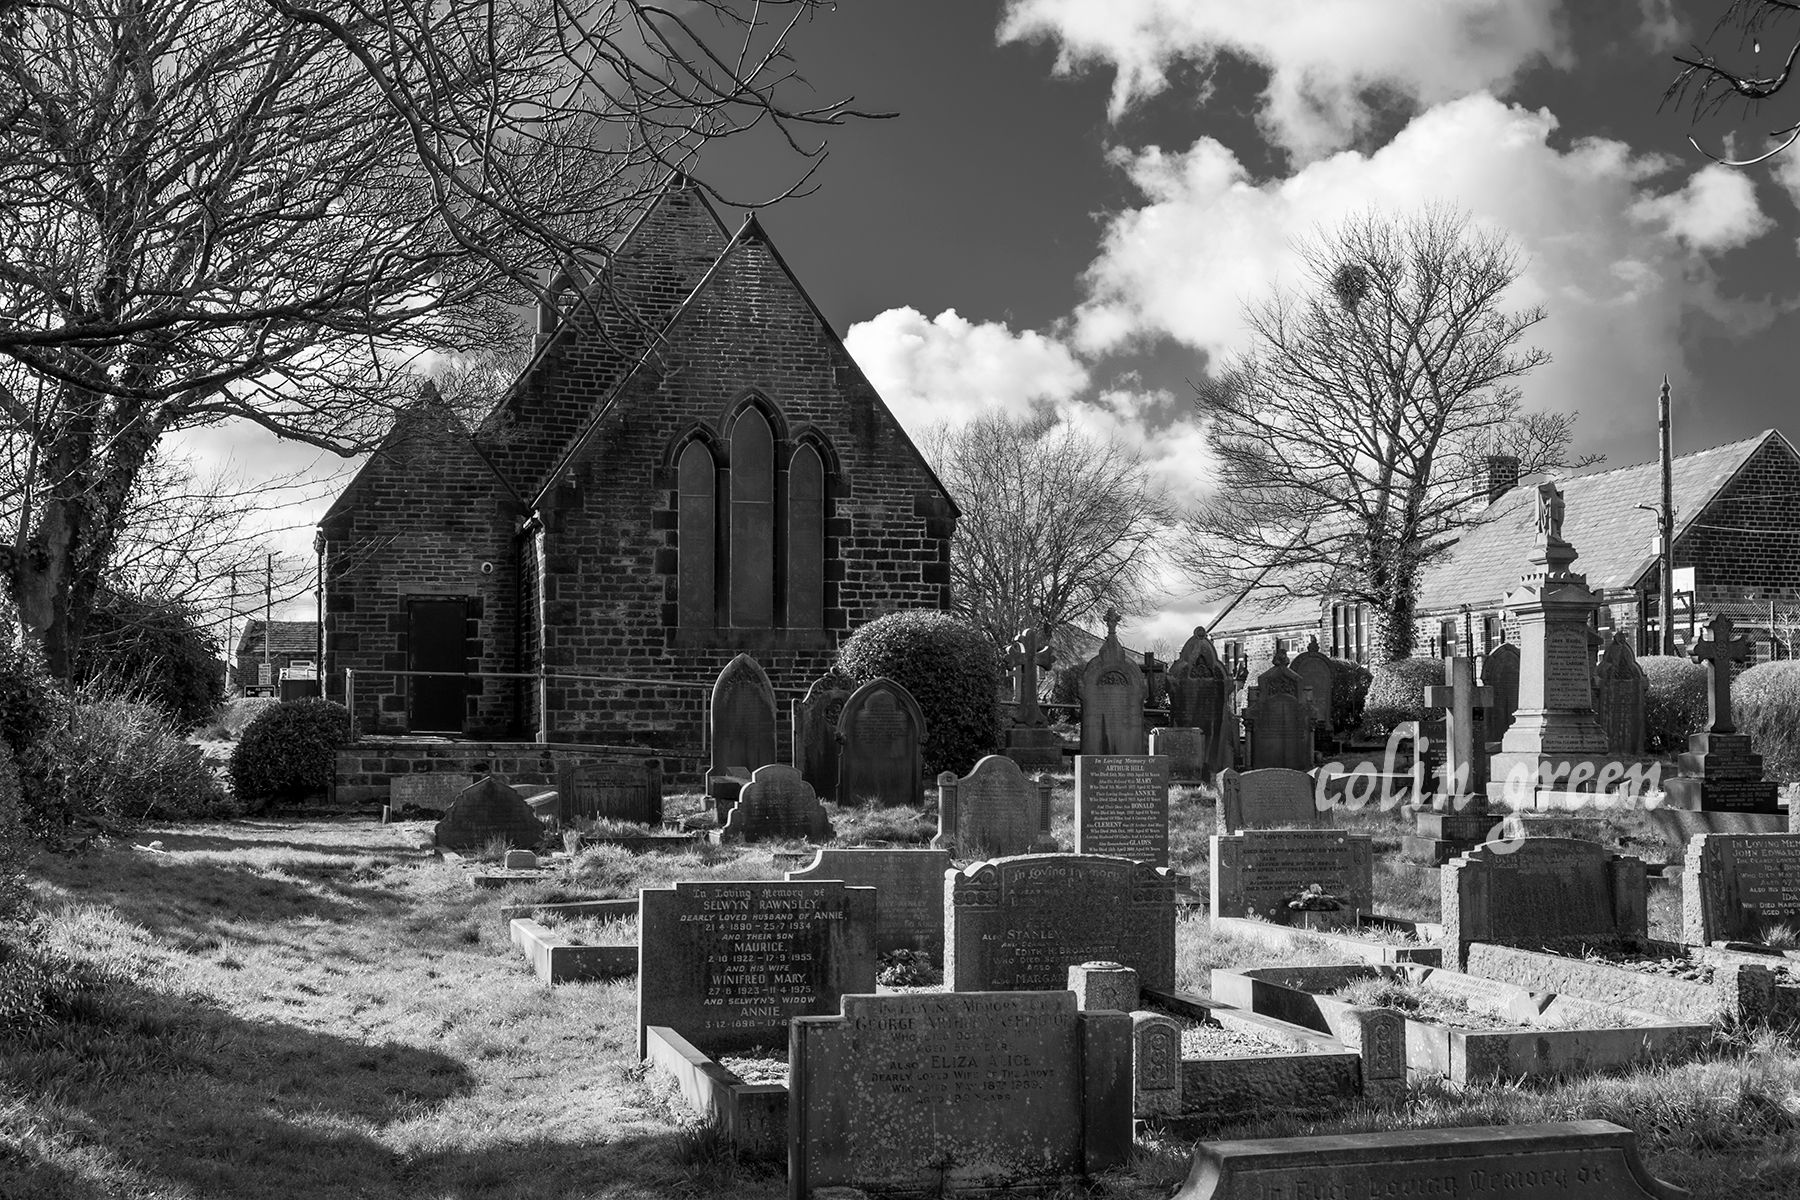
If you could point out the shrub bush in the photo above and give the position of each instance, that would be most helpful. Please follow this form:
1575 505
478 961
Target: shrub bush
289 752
1349 693
951 669
235 715
1397 693
30 707
15 897
127 760
153 650
1765 703
1674 701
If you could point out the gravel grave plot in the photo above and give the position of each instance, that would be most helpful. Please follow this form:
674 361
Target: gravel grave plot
756 1066
1422 1005
1200 1039
1668 966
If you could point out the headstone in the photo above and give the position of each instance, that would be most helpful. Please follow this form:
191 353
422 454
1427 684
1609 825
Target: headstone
1500 674
1465 759
1623 693
815 732
1538 892
1565 1160
726 964
1269 798
1737 887
1316 677
1122 806
909 892
742 728
1028 655
1108 985
1020 923
1112 698
1185 749
775 804
434 790
935 1094
625 789
1205 685
485 811
519 860
1281 722
1277 875
993 811
1155 1065
1720 772
879 732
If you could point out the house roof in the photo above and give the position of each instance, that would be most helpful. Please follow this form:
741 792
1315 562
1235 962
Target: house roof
1603 522
288 637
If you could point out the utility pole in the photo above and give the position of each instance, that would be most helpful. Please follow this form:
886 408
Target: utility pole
268 612
231 663
1667 522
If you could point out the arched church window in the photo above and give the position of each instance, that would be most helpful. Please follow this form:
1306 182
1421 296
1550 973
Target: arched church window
806 540
752 521
695 540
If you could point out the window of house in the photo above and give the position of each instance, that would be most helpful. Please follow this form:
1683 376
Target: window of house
1349 632
1490 633
1446 638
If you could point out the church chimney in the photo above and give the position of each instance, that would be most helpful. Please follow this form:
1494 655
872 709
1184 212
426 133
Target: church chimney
1502 475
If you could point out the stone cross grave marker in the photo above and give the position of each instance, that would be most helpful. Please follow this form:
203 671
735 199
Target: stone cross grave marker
1464 752
626 789
1718 652
487 810
1020 923
1737 887
879 733
1269 798
909 892
742 728
994 810
775 804
1155 679
1028 655
1721 772
726 964
1112 698
948 1094
1623 692
1122 806
815 719
1540 891
1500 672
1261 873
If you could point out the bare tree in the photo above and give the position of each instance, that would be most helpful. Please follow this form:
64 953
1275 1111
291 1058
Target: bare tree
1747 72
1056 525
1353 432
263 211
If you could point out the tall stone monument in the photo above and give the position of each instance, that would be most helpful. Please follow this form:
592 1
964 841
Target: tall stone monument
1555 729
1198 687
1112 698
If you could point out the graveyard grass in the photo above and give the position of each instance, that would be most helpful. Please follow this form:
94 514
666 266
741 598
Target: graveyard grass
320 1008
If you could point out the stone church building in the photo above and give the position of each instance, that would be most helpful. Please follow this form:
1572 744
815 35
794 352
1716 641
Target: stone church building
690 466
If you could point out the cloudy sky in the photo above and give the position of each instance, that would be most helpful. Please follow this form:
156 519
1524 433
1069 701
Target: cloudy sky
1076 199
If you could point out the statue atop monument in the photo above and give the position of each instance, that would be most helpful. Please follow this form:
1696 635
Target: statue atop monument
1549 512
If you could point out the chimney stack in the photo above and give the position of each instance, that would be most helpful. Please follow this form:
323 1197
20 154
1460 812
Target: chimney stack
1502 475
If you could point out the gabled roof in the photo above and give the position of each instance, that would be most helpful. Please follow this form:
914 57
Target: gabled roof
428 419
287 637
1603 522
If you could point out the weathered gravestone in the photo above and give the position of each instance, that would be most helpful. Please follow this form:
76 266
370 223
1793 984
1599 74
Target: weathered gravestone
1155 1065
1316 675
879 732
935 1094
1500 674
1280 718
992 811
1622 694
1270 798
1020 923
1740 887
485 811
742 728
1184 748
1112 698
1262 873
1564 1160
726 964
1122 806
775 804
1198 686
1538 892
626 789
432 790
1030 741
909 892
1720 772
815 732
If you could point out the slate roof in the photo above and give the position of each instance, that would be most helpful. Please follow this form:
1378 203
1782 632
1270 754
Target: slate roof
1608 530
290 637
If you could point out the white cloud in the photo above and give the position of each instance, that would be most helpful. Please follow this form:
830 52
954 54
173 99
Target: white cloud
1617 266
1330 62
949 370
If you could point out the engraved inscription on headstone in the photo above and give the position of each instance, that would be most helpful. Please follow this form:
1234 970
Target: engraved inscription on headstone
1258 873
994 810
1122 806
622 790
1568 680
1270 798
1540 891
909 892
1740 887
879 732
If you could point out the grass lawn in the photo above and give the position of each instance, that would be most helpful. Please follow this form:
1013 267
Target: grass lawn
320 1008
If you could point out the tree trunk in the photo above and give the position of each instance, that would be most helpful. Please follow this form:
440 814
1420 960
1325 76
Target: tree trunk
1394 615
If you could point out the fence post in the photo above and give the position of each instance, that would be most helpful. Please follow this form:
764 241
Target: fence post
350 701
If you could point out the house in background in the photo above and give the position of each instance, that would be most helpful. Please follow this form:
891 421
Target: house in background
293 655
1737 552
